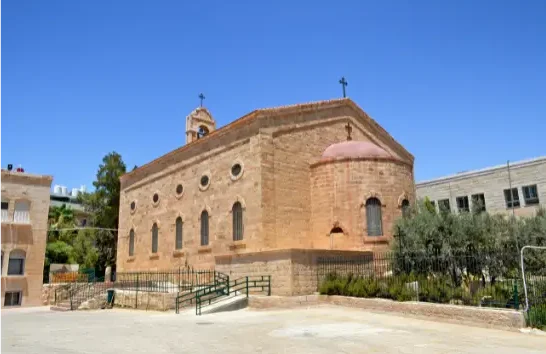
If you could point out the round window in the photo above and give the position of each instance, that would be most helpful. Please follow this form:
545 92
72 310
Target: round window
133 205
179 189
155 198
204 180
236 169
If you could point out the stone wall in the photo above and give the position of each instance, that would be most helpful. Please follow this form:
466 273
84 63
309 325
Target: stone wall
340 189
218 199
152 301
48 293
29 238
292 271
473 316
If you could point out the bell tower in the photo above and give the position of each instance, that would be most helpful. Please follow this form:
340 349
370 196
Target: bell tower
198 124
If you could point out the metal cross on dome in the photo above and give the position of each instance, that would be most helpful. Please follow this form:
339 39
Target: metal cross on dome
201 97
349 129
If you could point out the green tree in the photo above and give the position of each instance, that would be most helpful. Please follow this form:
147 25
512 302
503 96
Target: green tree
83 250
59 252
61 217
103 205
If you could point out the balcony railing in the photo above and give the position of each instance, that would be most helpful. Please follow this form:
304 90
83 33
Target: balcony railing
21 217
5 215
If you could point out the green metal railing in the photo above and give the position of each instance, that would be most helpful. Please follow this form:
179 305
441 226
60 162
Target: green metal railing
219 282
221 290
241 285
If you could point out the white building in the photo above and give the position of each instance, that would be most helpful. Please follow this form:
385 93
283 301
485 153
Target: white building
518 187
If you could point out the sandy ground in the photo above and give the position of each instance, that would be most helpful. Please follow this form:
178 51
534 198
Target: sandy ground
316 330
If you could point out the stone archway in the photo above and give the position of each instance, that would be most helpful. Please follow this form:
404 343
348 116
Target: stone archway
335 233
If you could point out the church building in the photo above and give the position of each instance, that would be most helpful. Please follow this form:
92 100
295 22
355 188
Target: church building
274 185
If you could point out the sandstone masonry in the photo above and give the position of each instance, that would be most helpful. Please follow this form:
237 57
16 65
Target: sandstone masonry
25 206
291 196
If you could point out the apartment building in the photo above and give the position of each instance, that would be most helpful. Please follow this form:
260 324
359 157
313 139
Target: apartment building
25 205
518 188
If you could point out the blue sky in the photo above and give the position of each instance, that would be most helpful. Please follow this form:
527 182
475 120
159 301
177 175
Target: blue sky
461 84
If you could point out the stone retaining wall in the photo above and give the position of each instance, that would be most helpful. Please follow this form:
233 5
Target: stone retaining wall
293 271
145 300
48 293
474 316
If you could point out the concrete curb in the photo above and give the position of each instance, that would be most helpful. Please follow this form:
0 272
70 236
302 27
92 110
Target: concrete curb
474 316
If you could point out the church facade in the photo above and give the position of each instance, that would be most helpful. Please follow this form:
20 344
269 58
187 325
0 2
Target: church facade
316 176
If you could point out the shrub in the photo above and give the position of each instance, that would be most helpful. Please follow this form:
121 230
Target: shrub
536 317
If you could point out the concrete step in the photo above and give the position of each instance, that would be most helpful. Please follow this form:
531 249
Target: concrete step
59 308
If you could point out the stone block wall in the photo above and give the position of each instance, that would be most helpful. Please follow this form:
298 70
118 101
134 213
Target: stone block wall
292 271
218 199
152 301
26 238
340 189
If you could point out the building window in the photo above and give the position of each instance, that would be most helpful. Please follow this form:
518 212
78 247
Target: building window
5 213
462 204
131 243
512 198
179 189
204 181
530 194
237 211
236 169
22 212
204 228
405 208
133 206
155 237
444 206
478 202
178 233
16 265
155 198
12 298
373 217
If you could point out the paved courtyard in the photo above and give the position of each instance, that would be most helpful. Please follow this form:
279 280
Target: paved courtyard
317 330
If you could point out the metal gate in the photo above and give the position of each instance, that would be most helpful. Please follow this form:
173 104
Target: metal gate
533 272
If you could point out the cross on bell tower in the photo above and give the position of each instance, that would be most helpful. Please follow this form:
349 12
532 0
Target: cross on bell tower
201 97
343 83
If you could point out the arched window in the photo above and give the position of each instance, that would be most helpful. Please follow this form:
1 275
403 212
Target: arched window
178 233
16 265
405 208
21 214
131 243
155 236
373 217
237 211
204 228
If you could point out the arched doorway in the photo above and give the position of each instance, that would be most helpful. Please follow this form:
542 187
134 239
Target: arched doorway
335 233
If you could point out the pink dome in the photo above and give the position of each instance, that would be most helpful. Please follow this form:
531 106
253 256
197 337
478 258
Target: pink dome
354 149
